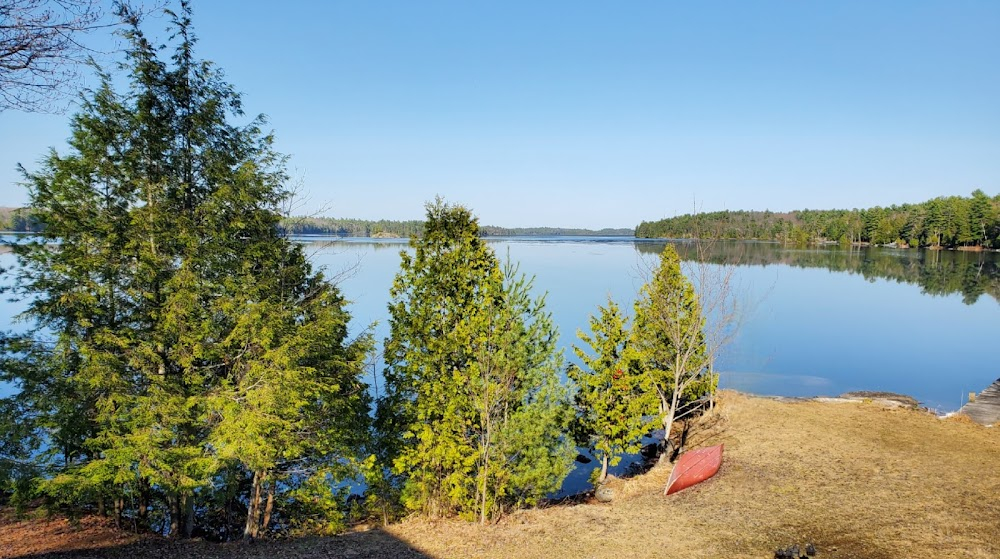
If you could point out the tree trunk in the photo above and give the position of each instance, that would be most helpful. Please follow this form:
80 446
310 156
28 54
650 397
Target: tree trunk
253 509
663 422
268 508
484 474
668 410
143 512
188 515
604 468
173 503
119 510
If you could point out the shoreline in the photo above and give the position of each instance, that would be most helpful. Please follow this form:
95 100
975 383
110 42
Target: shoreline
863 480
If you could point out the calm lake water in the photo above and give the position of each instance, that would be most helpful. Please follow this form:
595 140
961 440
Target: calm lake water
819 321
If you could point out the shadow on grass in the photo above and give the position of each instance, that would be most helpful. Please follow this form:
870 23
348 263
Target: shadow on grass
355 545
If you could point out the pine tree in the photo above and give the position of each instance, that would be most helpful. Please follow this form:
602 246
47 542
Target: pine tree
473 403
611 398
183 349
981 217
669 336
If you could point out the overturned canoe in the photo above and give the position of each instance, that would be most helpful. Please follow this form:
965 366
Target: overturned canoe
694 467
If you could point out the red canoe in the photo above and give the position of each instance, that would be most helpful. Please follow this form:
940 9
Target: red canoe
694 467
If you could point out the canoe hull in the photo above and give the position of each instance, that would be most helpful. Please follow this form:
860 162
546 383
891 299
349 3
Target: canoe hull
694 467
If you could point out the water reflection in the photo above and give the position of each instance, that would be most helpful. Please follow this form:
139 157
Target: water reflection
937 272
817 329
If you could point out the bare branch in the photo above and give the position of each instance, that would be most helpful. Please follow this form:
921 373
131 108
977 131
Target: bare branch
41 51
689 311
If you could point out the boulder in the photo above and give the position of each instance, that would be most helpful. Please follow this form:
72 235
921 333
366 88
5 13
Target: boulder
604 494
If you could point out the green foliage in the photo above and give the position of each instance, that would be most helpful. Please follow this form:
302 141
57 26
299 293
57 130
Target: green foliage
668 336
183 354
351 227
946 221
315 507
17 220
413 228
474 414
611 395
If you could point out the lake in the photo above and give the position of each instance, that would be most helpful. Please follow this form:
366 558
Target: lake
818 321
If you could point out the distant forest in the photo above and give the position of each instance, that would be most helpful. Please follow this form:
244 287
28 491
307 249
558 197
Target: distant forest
387 228
945 222
351 227
17 219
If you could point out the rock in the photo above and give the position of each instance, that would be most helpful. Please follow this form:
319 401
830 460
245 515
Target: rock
604 494
583 459
902 399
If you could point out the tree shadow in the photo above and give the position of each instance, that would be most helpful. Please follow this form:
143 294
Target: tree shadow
370 544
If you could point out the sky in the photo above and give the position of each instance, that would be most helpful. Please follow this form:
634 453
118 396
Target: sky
601 114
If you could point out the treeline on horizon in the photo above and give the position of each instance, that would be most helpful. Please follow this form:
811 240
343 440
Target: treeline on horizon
944 222
412 228
19 220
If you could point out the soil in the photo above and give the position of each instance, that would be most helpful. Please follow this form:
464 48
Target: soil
858 479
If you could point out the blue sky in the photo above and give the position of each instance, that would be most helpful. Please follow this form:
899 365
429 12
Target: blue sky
601 114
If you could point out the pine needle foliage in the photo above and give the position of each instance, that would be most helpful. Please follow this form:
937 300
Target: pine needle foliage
612 391
474 412
185 368
668 336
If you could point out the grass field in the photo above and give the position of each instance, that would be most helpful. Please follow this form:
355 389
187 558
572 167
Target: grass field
857 479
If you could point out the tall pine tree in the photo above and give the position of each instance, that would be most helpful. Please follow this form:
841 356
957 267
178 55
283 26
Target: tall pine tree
612 391
669 336
474 409
184 355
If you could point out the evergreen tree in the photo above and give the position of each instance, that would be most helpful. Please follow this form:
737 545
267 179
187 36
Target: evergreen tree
981 217
611 398
941 222
473 407
183 349
669 337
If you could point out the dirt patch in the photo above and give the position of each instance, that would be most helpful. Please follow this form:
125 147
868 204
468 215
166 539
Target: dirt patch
858 481
24 538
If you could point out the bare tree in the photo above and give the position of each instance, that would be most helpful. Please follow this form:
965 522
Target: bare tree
40 49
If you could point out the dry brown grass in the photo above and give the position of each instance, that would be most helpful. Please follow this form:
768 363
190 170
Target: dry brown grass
857 479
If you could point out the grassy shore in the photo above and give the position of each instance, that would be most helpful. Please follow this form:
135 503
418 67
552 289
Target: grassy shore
858 479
